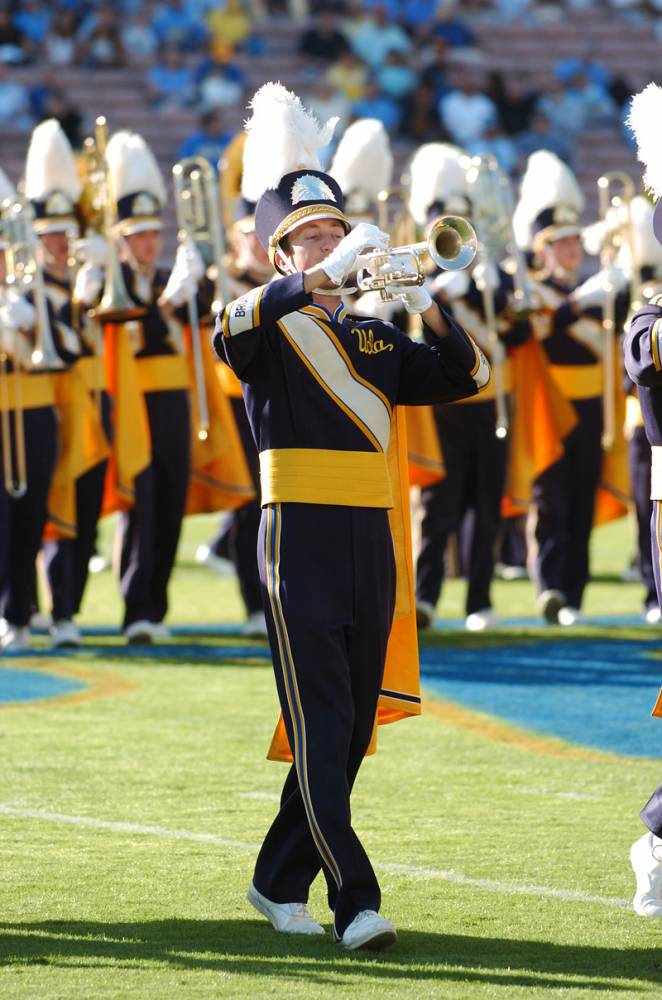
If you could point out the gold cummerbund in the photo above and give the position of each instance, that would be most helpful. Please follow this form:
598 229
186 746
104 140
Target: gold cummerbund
311 475
656 472
93 371
35 391
489 392
578 381
166 371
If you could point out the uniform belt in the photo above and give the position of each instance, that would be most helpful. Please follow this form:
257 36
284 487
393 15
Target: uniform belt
166 371
229 381
578 381
633 416
311 475
490 391
35 391
93 371
656 472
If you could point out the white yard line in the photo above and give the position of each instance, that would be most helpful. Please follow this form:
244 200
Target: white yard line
410 871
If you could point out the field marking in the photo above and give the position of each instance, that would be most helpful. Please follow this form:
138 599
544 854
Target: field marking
411 871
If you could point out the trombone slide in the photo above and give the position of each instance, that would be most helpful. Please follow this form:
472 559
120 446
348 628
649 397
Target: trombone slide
497 355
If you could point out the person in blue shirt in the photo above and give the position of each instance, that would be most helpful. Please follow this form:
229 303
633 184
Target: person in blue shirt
208 140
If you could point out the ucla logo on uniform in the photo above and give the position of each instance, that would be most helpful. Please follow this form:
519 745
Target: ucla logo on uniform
311 188
367 342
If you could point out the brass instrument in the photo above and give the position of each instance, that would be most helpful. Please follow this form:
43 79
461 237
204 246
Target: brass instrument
393 215
492 200
451 243
198 220
615 192
24 273
116 306
13 445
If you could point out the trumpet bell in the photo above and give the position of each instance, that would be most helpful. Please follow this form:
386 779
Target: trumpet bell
452 242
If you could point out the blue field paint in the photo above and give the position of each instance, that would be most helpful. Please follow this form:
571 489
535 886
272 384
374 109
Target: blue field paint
29 685
597 694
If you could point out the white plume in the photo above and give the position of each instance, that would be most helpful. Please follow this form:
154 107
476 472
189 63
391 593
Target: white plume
647 251
50 164
7 189
547 182
644 120
282 136
133 167
363 160
436 171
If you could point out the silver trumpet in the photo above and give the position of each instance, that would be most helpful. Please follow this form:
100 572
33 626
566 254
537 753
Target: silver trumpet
451 243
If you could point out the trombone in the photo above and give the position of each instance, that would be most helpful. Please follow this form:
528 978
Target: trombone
615 192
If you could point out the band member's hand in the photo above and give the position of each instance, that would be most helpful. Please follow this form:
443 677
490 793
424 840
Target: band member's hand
342 261
416 299
92 250
593 292
16 313
185 275
88 284
451 285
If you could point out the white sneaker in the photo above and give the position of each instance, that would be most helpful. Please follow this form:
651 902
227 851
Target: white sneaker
15 638
290 918
65 634
652 615
140 633
160 631
424 614
550 603
570 616
506 572
98 564
40 621
255 626
368 930
221 566
647 868
478 621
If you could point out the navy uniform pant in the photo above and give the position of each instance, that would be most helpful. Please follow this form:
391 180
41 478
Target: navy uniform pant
475 461
67 559
237 537
150 529
22 521
328 579
639 460
564 500
652 811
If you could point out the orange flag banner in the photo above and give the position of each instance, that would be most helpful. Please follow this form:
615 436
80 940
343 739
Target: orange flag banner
426 460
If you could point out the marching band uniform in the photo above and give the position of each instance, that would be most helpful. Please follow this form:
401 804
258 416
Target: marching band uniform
569 325
319 390
22 518
53 186
469 496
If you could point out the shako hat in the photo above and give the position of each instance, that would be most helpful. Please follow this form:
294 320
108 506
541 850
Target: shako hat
136 184
550 202
281 169
52 183
363 165
438 182
644 120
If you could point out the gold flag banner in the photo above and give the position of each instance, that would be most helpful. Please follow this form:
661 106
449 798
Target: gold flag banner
82 444
426 460
615 488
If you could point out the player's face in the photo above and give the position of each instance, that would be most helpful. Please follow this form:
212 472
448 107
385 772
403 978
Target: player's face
145 246
56 246
312 243
567 253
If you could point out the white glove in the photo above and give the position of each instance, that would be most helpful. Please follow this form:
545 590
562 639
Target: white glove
342 260
88 284
451 284
485 276
185 275
593 291
416 299
16 313
92 250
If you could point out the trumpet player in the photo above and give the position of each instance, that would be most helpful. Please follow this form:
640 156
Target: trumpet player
320 388
27 445
54 188
472 432
569 325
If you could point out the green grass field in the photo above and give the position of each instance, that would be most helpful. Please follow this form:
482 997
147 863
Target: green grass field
130 821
